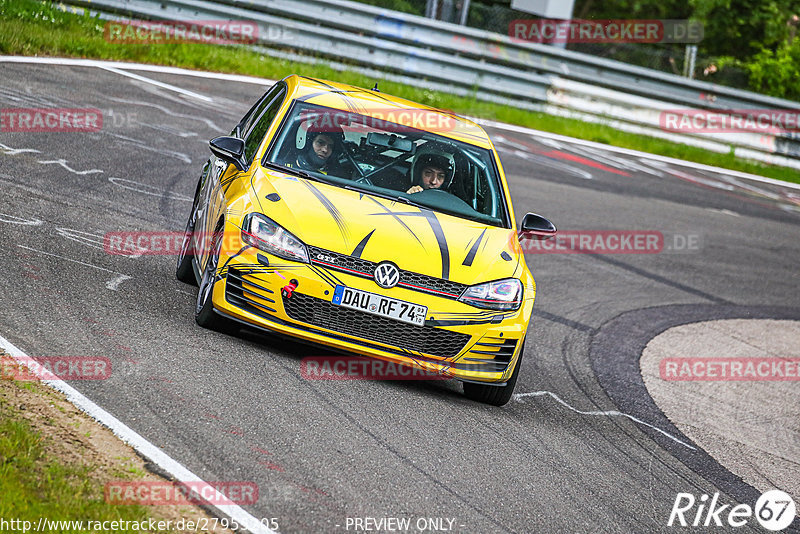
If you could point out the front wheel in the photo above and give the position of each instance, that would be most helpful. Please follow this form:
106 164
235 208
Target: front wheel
204 313
495 395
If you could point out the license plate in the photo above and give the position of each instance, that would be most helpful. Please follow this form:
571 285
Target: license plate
355 299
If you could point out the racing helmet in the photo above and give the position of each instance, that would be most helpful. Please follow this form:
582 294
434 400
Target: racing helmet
308 132
434 154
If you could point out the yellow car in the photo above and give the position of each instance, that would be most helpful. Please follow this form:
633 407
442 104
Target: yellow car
366 223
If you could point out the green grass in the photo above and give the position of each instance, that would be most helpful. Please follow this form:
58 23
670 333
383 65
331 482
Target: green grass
31 28
34 485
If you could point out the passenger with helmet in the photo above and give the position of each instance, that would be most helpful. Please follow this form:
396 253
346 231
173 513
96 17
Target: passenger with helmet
321 148
433 167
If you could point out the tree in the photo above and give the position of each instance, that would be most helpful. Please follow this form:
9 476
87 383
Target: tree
741 28
757 36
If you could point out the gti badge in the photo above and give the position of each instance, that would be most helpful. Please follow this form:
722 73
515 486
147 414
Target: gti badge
386 275
326 258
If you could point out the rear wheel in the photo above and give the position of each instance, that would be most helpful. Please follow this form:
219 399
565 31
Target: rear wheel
204 313
495 395
184 271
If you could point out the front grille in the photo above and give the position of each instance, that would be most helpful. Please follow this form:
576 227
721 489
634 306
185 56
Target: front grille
416 280
365 269
425 339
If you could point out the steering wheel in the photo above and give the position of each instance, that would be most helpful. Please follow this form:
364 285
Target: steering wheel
442 194
437 191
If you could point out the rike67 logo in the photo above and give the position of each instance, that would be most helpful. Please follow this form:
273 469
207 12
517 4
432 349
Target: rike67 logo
774 510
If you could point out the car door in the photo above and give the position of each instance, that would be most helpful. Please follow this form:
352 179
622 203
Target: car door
212 200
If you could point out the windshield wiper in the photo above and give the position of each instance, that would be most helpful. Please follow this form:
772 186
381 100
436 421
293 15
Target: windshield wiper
296 172
378 194
351 187
406 200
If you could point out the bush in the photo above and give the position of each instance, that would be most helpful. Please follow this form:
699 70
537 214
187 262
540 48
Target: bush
776 72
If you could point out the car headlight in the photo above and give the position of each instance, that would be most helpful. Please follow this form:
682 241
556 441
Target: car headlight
265 234
498 295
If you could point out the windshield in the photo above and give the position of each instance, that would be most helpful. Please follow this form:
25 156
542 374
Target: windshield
392 160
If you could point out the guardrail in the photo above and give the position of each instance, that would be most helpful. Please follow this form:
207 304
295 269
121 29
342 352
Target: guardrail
493 67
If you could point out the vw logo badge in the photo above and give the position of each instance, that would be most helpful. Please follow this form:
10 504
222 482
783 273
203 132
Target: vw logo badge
386 275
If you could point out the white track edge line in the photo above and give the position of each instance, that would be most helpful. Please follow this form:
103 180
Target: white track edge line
168 87
140 444
493 124
74 62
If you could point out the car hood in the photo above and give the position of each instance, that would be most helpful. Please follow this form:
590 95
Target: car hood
377 229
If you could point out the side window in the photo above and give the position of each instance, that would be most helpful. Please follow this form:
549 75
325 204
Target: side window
255 111
256 129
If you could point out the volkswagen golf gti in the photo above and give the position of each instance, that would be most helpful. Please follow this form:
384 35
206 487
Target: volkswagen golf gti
369 224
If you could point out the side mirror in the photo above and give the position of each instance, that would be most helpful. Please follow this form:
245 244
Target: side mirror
536 227
230 149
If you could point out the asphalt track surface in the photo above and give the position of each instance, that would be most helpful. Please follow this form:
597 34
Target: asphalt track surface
236 407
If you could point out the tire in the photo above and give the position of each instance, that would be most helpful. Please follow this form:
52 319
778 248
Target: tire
184 270
495 395
204 314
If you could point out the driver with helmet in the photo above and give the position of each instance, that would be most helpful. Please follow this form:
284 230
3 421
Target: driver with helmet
433 167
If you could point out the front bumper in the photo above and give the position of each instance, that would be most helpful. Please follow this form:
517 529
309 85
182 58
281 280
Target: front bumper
457 340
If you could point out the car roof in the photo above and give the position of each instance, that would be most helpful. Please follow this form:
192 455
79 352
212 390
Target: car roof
386 107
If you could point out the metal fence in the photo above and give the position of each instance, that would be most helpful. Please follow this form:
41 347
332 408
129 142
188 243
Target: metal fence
490 66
